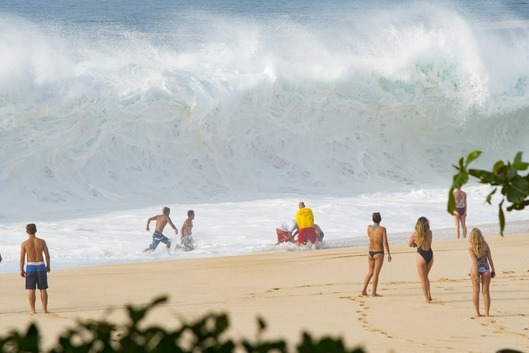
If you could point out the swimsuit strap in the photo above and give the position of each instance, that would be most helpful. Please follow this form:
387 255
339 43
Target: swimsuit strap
459 201
482 259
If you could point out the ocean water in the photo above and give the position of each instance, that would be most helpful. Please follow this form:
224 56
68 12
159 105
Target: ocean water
111 110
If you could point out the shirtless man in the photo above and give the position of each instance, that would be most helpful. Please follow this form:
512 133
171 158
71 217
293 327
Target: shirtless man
36 273
378 241
161 222
186 231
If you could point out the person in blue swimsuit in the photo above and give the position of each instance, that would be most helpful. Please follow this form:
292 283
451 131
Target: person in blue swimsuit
482 270
422 240
378 241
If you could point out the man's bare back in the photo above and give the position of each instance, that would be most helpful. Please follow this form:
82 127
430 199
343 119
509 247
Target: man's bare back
34 248
161 222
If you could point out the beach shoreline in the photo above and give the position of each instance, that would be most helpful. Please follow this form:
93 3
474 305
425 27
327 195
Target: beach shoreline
313 291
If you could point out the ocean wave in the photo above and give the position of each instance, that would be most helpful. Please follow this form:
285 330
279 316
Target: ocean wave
232 107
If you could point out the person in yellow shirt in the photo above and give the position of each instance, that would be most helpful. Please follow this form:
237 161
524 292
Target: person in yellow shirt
305 222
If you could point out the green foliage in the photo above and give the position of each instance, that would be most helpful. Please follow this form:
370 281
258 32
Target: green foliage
513 186
205 335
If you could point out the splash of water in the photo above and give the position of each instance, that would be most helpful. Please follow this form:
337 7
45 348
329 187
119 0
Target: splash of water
226 107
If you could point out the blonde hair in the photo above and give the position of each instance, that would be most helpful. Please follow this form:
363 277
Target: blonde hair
477 243
422 228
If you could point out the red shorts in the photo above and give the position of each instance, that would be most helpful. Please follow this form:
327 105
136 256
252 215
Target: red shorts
307 234
282 236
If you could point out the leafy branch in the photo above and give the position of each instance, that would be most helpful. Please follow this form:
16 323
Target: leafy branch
205 335
513 186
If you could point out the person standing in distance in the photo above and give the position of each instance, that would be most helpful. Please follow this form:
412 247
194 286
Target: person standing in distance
161 222
482 270
378 241
460 213
37 267
422 240
305 222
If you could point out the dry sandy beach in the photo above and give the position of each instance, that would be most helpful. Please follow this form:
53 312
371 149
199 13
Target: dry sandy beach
314 291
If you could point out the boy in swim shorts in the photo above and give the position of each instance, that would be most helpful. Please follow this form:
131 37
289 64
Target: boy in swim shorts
186 232
36 252
161 221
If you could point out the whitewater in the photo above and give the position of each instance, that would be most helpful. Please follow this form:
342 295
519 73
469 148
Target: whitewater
240 111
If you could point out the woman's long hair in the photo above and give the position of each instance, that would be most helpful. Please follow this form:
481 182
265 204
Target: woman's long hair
477 243
422 228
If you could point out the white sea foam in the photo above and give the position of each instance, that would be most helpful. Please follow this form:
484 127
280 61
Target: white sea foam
236 228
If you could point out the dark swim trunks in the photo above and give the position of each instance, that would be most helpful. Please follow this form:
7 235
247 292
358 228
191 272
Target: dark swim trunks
36 276
157 238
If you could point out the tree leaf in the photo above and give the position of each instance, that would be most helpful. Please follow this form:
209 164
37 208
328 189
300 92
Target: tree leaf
486 177
472 156
489 196
501 216
451 201
459 180
498 166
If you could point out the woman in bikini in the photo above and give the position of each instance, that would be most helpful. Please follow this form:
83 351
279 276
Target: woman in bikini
460 213
482 270
422 240
378 240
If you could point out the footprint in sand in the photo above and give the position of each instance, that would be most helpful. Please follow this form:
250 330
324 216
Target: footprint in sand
349 298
